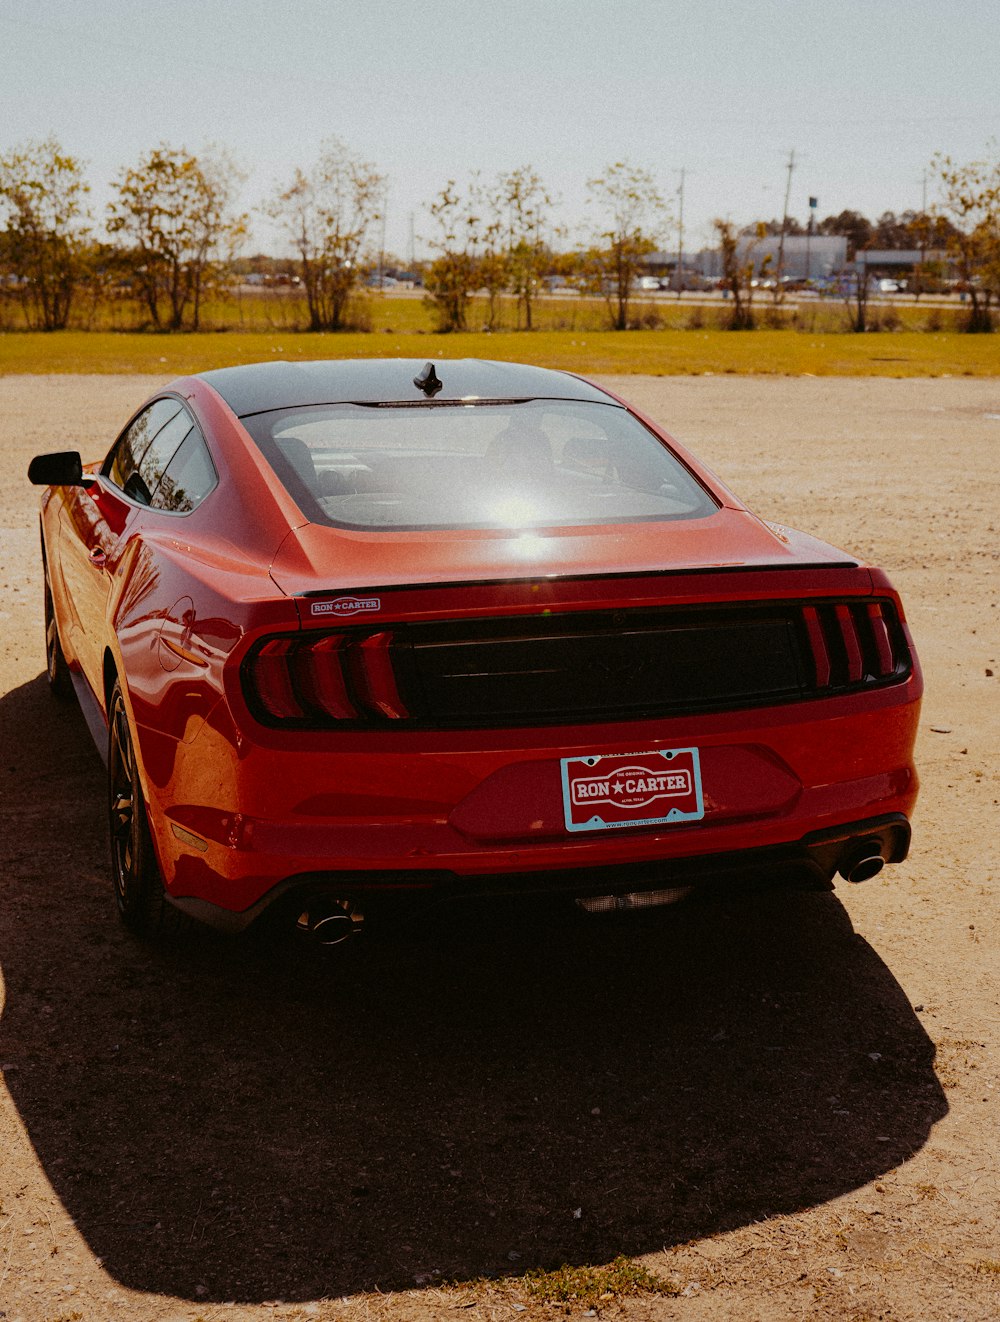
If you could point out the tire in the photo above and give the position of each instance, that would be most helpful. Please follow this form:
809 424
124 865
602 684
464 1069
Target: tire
56 669
138 886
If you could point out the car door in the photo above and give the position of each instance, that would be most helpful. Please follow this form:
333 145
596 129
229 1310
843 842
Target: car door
155 611
95 523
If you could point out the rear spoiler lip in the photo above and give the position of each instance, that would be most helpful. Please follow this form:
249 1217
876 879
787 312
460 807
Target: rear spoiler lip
681 571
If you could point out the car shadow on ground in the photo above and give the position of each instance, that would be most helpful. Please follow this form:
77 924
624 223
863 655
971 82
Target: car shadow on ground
237 1120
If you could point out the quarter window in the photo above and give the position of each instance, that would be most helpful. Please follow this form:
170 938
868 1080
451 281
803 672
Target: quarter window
187 478
122 465
160 451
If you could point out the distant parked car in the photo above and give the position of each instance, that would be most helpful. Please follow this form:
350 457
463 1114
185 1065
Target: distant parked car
690 280
888 287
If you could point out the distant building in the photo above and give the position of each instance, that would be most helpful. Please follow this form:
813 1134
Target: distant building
662 263
897 260
805 257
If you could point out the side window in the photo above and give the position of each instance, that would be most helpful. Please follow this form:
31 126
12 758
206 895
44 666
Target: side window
161 450
188 477
122 464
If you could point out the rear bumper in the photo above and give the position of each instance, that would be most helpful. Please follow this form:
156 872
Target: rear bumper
806 864
441 813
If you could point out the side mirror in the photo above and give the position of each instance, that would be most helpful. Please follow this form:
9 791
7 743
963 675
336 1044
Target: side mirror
64 469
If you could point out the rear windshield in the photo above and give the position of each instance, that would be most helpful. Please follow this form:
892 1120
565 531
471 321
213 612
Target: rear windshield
475 465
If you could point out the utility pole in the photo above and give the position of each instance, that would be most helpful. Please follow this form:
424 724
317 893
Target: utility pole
923 235
381 237
680 235
784 226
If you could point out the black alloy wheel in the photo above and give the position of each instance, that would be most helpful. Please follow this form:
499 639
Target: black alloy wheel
139 892
56 669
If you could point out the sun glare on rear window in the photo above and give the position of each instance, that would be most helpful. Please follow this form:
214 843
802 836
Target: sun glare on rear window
541 463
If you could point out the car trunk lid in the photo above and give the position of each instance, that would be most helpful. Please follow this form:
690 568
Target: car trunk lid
318 561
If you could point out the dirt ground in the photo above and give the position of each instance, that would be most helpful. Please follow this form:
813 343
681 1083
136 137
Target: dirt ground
784 1107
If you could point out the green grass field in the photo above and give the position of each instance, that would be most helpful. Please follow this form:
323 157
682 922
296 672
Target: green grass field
805 337
657 352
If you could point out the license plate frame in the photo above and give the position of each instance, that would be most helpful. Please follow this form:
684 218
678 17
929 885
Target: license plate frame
609 792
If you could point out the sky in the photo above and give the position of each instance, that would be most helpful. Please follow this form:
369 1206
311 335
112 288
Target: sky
864 92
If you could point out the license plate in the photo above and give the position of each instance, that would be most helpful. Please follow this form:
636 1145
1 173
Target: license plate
632 789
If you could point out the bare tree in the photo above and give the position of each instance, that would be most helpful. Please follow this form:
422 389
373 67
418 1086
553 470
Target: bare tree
43 191
487 245
462 232
856 288
935 233
970 200
528 205
328 216
737 251
175 212
632 216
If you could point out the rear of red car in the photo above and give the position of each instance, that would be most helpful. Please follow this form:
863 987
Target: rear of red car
611 711
441 754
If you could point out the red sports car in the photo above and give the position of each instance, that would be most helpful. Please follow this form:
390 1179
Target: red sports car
354 633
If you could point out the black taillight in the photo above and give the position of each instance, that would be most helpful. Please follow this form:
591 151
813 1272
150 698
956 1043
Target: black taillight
374 676
817 644
577 667
848 627
320 673
320 680
885 657
854 642
268 677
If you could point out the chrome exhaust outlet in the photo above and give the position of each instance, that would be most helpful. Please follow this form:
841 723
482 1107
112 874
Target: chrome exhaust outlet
863 863
330 922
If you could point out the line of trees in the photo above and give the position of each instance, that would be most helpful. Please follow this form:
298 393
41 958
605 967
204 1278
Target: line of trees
492 235
172 213
174 231
499 236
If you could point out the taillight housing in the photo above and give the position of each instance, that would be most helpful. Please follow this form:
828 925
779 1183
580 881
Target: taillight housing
855 643
576 668
310 680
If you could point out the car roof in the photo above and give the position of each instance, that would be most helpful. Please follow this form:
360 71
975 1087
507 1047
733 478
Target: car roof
260 387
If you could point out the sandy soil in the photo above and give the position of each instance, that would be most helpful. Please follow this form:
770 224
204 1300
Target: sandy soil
784 1108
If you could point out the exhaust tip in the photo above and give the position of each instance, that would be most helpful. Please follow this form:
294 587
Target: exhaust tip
330 922
863 863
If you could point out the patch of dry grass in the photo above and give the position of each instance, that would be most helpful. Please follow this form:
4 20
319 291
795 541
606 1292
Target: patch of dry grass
587 1287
